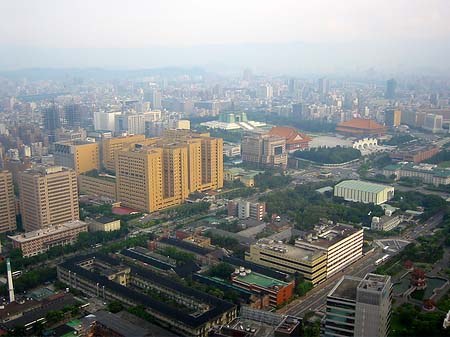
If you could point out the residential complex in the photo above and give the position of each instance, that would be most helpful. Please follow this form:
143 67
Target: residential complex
41 240
185 310
7 203
362 191
359 307
342 244
428 173
243 209
79 156
264 150
48 196
311 263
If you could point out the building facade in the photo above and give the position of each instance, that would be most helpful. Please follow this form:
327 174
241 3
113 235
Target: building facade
358 307
264 150
365 192
7 203
41 240
102 186
48 196
246 209
429 173
79 156
111 145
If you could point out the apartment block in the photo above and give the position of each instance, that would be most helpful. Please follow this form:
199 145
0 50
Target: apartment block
79 156
7 203
41 240
48 196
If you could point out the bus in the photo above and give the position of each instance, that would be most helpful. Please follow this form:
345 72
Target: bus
381 260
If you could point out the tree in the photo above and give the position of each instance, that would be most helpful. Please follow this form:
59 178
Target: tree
115 306
222 270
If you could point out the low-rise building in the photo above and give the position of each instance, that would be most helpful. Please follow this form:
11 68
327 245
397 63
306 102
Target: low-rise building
362 191
103 224
247 177
279 291
415 154
429 173
41 240
385 223
311 262
245 209
342 244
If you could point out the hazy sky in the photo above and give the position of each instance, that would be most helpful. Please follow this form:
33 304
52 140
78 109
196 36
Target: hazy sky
187 23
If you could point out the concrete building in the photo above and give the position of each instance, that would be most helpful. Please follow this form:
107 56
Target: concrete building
311 263
433 123
429 173
103 224
359 307
415 154
231 150
168 171
41 240
48 196
79 156
7 203
105 120
385 223
245 209
264 150
342 244
102 185
362 191
186 311
392 117
279 291
111 145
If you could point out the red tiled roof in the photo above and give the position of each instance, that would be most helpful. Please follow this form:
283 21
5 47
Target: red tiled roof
291 135
361 123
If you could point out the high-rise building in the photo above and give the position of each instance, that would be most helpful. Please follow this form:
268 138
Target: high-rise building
105 121
155 99
52 122
79 156
48 196
392 117
264 150
265 91
359 307
111 145
433 123
167 170
324 87
72 115
391 87
7 203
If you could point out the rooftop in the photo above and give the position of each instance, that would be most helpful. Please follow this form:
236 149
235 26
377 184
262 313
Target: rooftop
54 229
260 280
115 323
324 236
361 123
291 135
346 288
362 185
294 252
423 168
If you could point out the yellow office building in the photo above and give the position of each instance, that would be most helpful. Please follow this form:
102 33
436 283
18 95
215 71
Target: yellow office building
79 156
7 203
111 145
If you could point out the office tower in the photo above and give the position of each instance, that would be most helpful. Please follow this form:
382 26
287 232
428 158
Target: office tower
264 150
72 116
48 196
7 203
80 156
105 121
324 87
359 307
155 99
52 122
168 169
433 123
111 145
391 86
392 117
